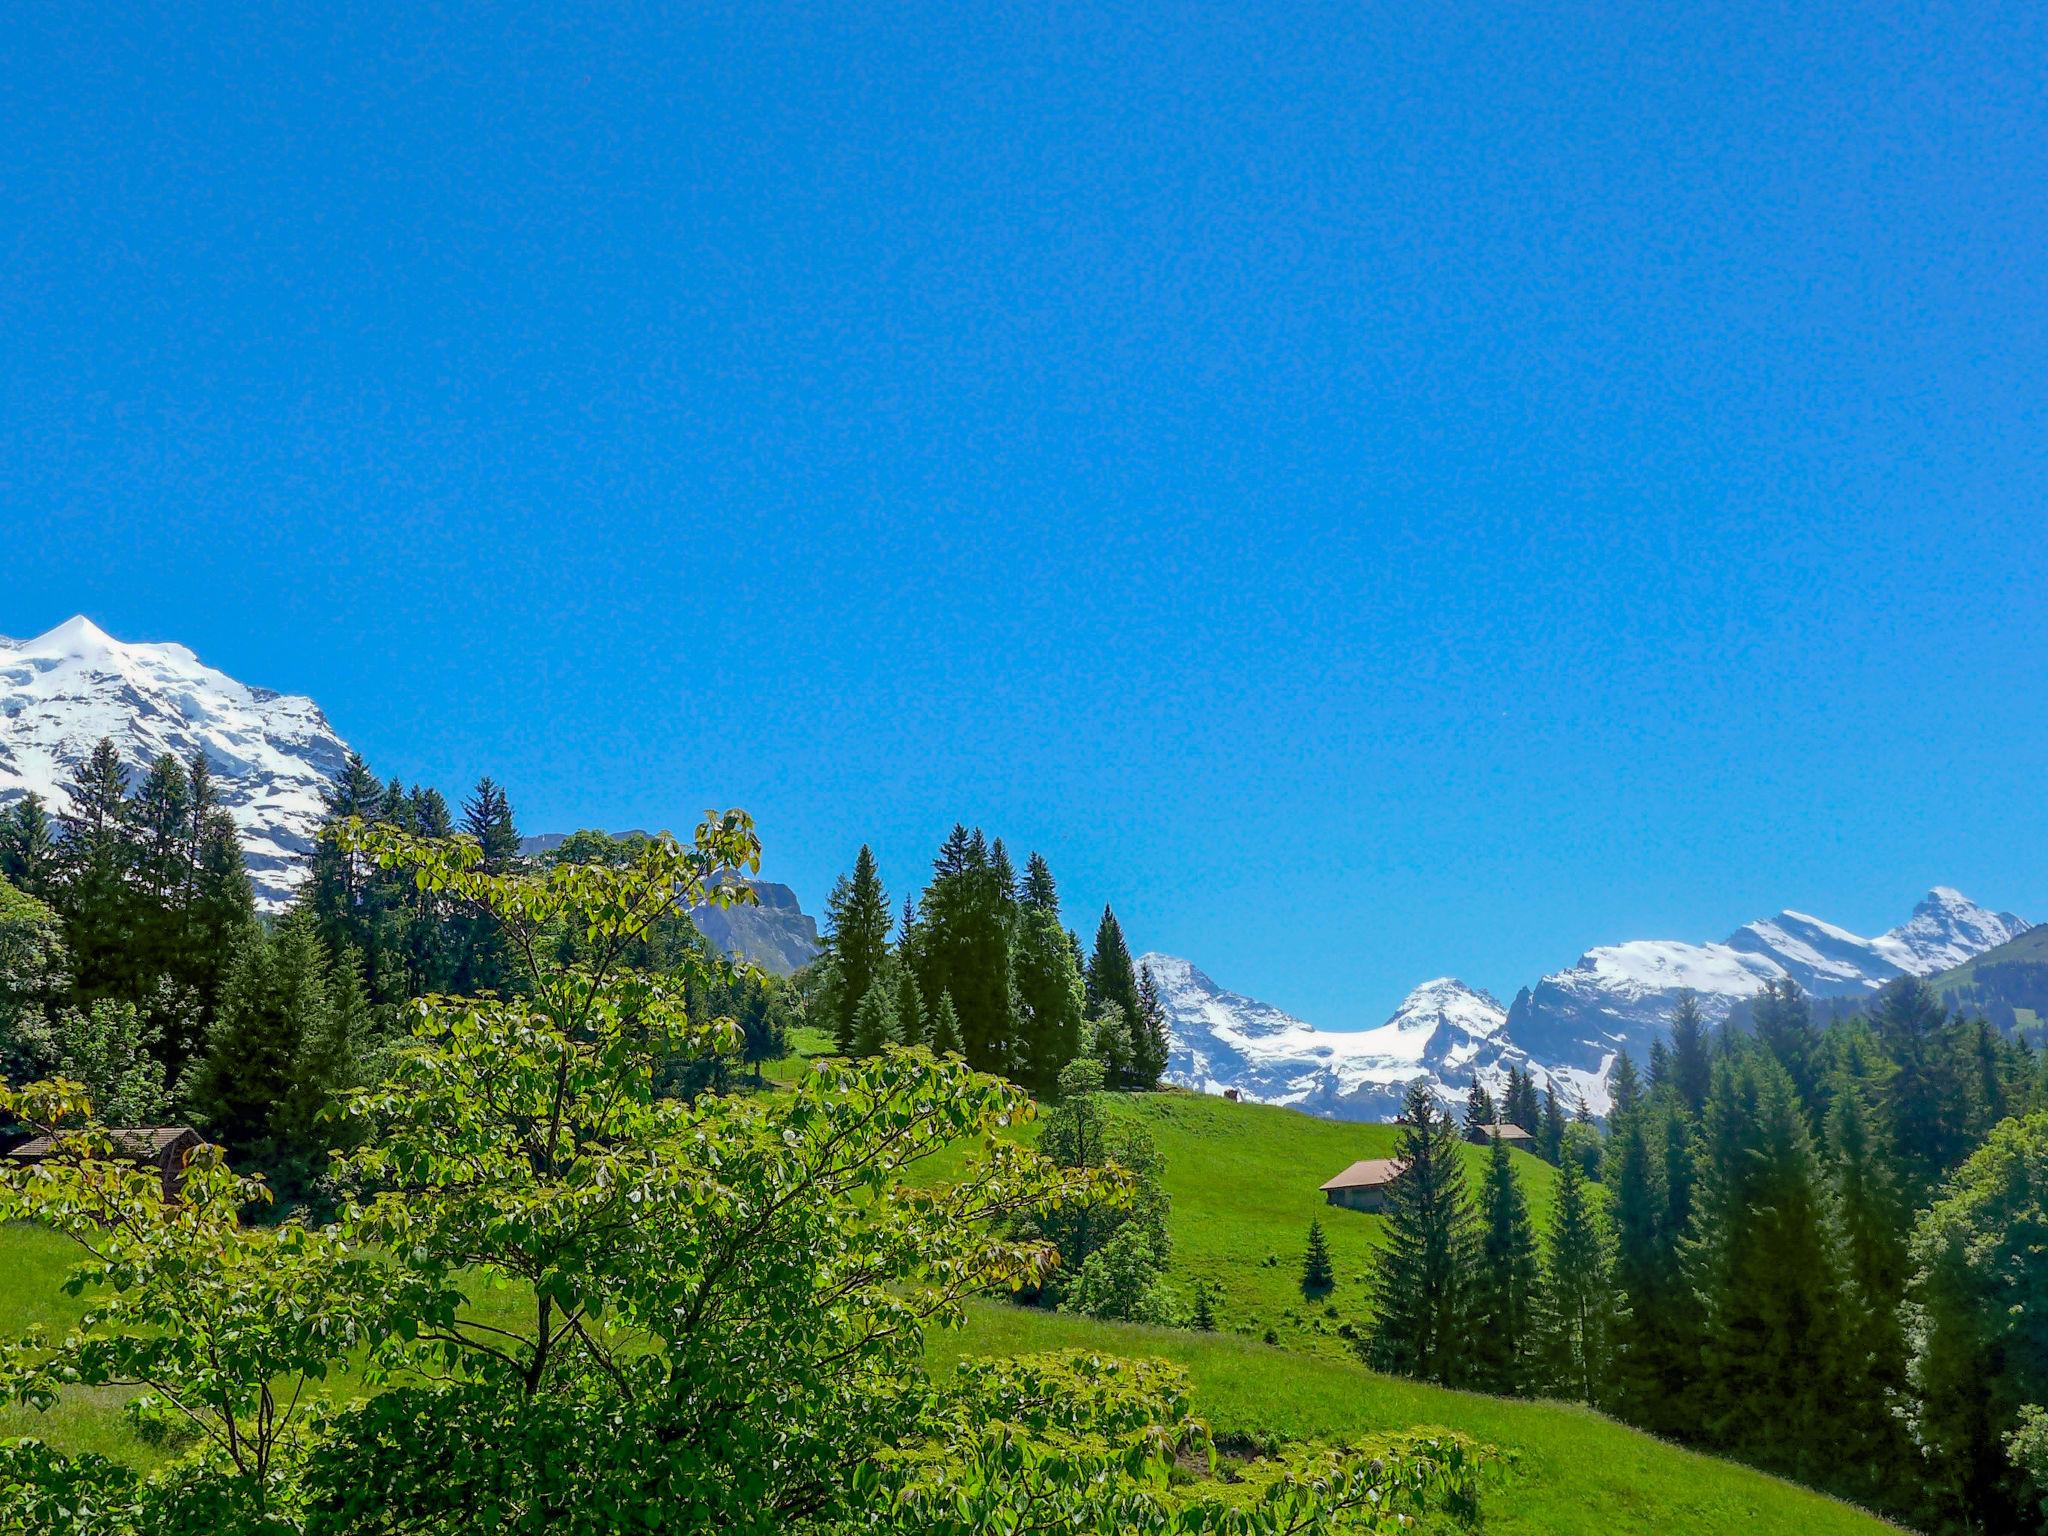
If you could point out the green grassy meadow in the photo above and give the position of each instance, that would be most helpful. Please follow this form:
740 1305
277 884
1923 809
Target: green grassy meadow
1243 1181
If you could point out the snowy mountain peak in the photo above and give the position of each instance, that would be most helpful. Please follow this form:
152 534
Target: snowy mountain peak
1448 1002
272 754
1946 929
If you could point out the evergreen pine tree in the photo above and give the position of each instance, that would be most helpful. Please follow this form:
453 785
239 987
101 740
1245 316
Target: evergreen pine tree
1784 1026
1318 1278
1648 1369
94 897
28 848
1506 1283
1421 1289
945 1027
967 929
1150 1045
1624 1088
1205 1311
1765 1260
1691 1069
1660 1065
1928 1100
1111 977
856 945
1550 1139
874 1024
910 1020
1480 1112
1578 1300
1050 1007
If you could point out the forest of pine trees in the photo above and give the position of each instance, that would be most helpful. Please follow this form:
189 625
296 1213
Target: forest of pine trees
982 963
133 960
1817 1250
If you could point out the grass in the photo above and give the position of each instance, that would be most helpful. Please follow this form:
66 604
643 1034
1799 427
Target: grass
1244 1184
1568 1470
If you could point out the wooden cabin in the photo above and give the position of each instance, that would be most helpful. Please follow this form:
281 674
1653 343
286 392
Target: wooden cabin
1366 1185
162 1147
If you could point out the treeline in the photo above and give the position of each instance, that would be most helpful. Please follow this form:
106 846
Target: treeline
1819 1251
133 959
981 963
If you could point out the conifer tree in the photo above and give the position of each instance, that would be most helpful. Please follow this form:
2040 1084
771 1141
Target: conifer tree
1480 1111
1111 977
1660 1066
1765 1260
1649 1370
93 896
28 848
1784 1026
945 1027
1205 1311
964 944
874 1024
1550 1139
1318 1277
1691 1069
1506 1284
1578 1300
856 945
1050 1007
910 1020
1624 1088
1150 1044
1927 1097
1421 1290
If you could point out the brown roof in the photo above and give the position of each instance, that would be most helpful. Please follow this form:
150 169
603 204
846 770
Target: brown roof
1368 1173
148 1142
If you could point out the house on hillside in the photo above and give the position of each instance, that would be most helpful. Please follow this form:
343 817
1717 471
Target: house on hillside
1502 1130
1365 1185
162 1147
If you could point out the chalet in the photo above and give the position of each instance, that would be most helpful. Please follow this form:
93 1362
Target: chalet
1502 1130
1365 1185
162 1147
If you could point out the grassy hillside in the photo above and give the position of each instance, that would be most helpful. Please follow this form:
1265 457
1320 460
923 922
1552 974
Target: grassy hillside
1245 1181
2009 984
1568 1471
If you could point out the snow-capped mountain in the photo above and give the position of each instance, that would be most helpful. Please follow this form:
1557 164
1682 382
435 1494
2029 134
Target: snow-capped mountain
1620 997
1443 1032
1566 1031
272 754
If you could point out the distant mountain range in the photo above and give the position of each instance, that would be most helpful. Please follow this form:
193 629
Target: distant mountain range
274 754
1569 1028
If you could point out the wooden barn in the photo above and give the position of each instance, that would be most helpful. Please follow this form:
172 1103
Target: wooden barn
1365 1185
162 1147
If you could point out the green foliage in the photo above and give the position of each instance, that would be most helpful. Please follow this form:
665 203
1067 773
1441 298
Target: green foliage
1318 1275
874 1023
1050 996
1691 1070
34 974
1123 1225
1507 1283
1421 1290
856 946
1577 1301
1978 1327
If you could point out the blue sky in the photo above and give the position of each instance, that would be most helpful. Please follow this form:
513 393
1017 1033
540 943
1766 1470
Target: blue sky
1375 491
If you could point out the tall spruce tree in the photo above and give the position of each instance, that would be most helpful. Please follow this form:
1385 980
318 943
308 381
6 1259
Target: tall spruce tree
945 1027
28 848
1550 1138
1150 1045
1578 1300
963 946
1507 1283
1624 1087
93 896
1927 1096
1112 982
1692 1069
1422 1289
1784 1026
1765 1260
1480 1110
1051 1007
856 946
910 1011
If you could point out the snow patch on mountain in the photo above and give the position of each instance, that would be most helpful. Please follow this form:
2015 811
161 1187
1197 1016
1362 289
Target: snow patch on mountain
272 754
1945 930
